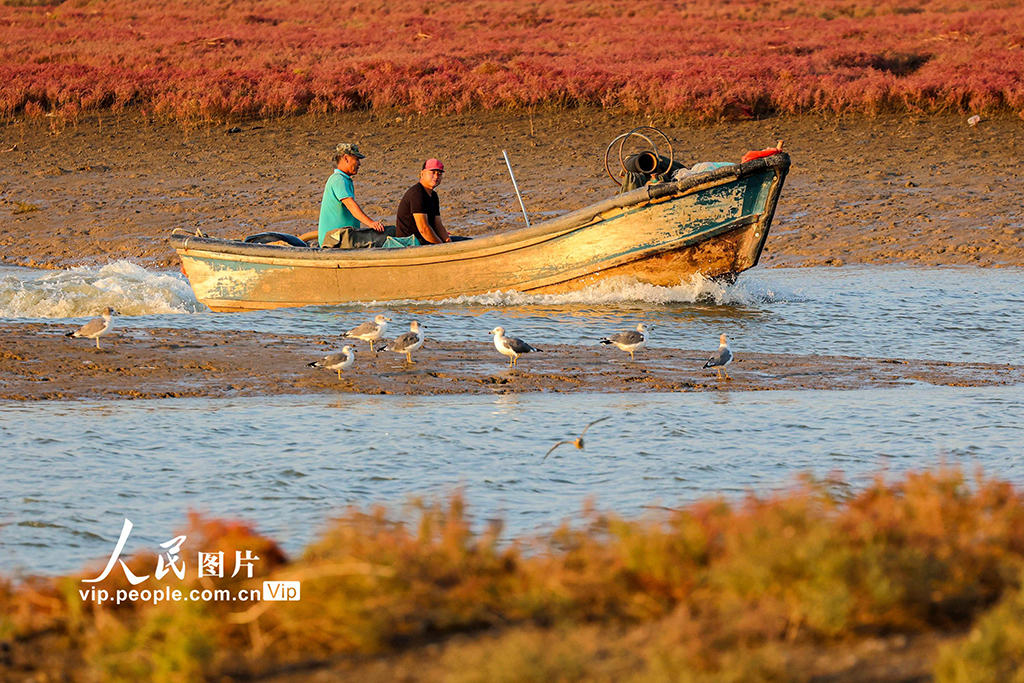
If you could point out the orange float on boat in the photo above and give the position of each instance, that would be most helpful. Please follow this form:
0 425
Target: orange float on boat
750 156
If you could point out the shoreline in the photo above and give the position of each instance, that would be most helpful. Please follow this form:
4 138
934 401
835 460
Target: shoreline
40 364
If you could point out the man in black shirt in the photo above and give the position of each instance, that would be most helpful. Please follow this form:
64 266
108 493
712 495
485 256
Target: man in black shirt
419 212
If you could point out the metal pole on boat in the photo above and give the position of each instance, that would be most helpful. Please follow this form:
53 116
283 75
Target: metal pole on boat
513 175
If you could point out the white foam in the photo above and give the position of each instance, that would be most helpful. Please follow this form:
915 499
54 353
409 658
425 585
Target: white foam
87 290
696 289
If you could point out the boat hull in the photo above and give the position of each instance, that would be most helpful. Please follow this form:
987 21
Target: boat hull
714 225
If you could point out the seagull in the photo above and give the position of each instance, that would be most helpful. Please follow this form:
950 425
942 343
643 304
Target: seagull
578 443
721 358
629 341
513 347
370 331
336 361
95 328
408 342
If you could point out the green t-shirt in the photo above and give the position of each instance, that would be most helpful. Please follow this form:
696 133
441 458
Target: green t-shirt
334 214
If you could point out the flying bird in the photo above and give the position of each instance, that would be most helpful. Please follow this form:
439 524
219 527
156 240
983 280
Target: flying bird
721 358
336 361
629 341
408 342
578 443
370 331
513 347
96 328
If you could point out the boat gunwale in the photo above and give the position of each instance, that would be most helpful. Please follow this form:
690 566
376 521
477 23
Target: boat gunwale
479 247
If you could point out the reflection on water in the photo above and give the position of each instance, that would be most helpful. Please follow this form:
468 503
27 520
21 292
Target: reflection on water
940 314
75 470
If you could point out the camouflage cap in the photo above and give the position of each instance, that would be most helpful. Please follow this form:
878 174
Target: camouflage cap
350 148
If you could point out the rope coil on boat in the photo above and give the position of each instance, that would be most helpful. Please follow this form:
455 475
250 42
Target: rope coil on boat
646 162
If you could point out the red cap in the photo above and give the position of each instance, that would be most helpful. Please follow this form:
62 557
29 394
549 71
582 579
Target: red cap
433 165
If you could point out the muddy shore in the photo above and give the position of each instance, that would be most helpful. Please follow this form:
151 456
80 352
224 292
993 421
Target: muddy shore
40 364
922 191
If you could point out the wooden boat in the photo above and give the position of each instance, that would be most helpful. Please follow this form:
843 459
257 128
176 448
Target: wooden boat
714 224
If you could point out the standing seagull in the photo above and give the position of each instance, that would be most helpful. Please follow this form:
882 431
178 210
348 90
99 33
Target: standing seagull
95 328
721 358
513 347
370 332
578 443
408 342
629 341
336 361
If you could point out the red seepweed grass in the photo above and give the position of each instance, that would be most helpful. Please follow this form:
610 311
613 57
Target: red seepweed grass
713 591
201 62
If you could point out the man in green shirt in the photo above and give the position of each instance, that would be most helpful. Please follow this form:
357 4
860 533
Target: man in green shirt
338 208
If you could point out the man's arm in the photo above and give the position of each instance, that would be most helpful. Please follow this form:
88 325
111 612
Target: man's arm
440 231
353 206
424 227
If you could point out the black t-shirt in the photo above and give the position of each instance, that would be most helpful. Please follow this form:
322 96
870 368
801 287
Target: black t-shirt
416 200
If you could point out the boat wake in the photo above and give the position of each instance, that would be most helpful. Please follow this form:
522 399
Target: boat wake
697 289
28 293
86 290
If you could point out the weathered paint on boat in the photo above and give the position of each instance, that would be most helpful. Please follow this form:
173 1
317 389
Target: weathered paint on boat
714 224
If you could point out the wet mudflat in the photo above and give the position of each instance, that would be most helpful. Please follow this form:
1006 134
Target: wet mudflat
893 189
39 364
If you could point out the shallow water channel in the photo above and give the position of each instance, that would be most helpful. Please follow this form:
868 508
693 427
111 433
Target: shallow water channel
73 471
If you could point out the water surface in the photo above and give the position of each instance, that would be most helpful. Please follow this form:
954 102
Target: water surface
73 471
